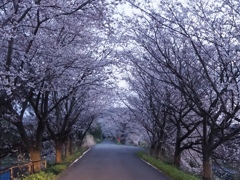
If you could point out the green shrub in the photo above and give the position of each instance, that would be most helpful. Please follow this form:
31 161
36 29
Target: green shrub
167 169
73 157
57 169
41 176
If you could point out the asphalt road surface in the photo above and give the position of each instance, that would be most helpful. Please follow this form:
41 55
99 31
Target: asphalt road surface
109 161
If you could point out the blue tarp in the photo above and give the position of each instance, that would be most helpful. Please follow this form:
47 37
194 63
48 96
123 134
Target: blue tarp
5 176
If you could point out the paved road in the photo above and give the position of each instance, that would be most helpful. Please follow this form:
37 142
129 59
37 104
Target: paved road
109 161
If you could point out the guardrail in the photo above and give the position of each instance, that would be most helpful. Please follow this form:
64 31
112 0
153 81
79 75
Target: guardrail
20 170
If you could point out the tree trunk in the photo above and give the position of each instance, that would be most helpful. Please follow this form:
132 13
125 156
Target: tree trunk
71 148
58 149
68 149
155 150
207 167
158 150
177 158
35 155
177 155
206 152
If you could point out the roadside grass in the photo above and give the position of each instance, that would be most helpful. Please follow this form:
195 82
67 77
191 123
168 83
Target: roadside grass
167 169
52 171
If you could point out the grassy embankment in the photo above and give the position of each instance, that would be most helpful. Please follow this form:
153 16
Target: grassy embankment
167 169
54 170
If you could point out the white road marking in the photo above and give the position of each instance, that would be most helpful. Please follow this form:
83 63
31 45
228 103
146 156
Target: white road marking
154 167
80 156
150 164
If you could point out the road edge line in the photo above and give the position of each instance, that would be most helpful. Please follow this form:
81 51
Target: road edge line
150 165
80 157
155 168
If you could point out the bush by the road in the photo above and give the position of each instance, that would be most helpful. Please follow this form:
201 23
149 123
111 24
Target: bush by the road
167 169
53 170
41 176
57 169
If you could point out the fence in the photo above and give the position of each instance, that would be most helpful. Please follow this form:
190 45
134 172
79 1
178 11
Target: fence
20 170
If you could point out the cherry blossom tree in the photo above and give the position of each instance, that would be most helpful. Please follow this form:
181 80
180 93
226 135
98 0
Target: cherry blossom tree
63 117
194 48
147 107
46 48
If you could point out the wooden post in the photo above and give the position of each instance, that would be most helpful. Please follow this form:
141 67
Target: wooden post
30 169
45 164
11 173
